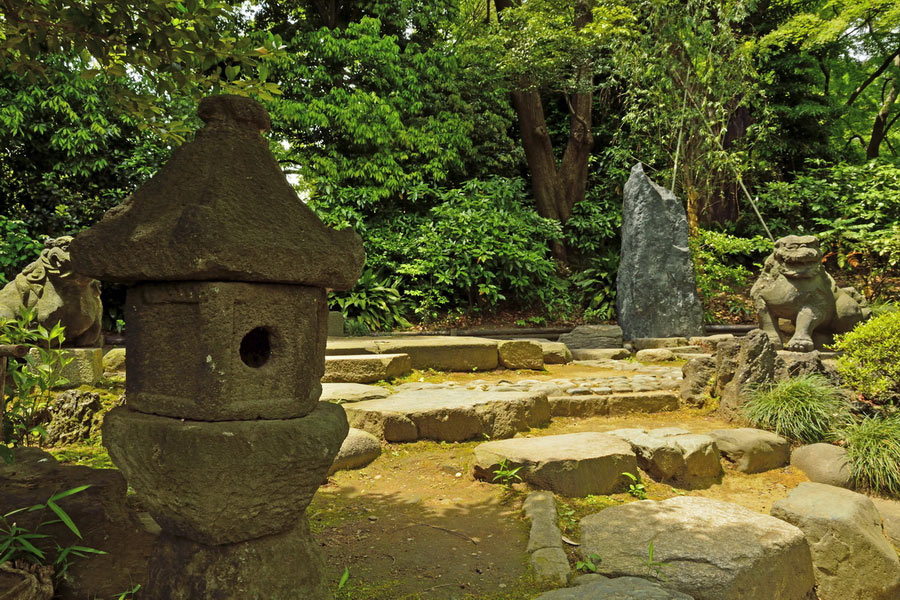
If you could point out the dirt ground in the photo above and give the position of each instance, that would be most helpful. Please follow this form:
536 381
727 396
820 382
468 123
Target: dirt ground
414 524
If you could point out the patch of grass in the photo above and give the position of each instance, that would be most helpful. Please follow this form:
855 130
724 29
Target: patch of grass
804 408
873 451
90 454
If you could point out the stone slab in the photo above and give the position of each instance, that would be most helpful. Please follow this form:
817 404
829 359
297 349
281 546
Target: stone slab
335 323
597 587
337 346
574 464
600 353
593 336
590 405
451 415
675 454
339 393
443 353
520 354
654 343
714 550
753 450
85 366
365 368
555 353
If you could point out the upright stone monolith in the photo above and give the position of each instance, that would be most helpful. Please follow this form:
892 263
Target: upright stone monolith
656 295
223 436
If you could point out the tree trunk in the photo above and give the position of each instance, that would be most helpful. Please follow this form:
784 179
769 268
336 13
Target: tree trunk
879 128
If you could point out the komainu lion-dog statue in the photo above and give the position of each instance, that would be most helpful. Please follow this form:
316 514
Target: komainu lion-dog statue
793 285
56 294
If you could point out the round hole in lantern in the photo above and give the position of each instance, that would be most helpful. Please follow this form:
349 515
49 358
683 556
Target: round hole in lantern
256 347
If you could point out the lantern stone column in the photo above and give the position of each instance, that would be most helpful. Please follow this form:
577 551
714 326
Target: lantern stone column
223 436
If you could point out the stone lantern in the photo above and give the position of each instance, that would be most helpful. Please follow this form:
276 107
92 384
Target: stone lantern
223 436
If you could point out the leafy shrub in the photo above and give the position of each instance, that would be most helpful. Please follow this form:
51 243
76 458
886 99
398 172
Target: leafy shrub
595 288
873 452
374 304
17 247
804 408
871 360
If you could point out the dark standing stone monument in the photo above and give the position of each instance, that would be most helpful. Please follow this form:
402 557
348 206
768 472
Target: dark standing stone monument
223 436
656 293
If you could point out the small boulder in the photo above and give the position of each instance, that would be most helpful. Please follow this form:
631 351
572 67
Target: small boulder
823 463
654 355
712 550
653 343
358 449
114 360
851 556
520 354
593 336
73 417
673 454
600 353
752 450
365 368
754 365
697 379
710 343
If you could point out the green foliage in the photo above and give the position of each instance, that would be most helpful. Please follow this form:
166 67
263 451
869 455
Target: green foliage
506 476
873 452
589 564
636 489
17 247
595 288
870 362
20 544
804 408
33 379
654 567
374 304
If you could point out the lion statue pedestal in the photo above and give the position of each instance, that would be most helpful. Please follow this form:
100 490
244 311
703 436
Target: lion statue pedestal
794 286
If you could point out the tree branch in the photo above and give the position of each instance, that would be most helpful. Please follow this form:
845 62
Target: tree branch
873 77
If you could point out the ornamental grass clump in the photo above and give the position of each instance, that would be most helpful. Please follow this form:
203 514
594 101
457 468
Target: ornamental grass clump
873 452
804 408
871 360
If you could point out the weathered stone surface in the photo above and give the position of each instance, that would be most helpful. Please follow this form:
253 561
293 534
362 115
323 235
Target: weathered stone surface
33 582
85 366
550 563
365 368
674 454
179 469
696 384
239 221
449 415
593 336
710 343
656 293
544 539
754 366
600 353
520 354
574 464
590 405
795 364
57 293
851 556
73 417
358 449
654 355
555 353
649 343
752 450
114 360
793 285
340 393
335 323
447 353
285 566
619 588
265 364
823 463
100 513
714 550
890 516
350 345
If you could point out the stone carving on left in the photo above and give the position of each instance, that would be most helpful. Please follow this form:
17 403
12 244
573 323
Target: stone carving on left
57 294
794 286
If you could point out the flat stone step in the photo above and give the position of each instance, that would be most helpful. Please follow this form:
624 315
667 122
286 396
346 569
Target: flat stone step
351 392
336 346
451 415
600 353
365 368
676 455
441 353
574 464
613 404
650 343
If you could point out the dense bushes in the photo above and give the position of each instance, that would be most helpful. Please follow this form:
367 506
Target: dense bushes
873 452
871 360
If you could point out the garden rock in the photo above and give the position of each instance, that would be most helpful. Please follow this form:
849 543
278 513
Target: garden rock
73 417
448 353
621 403
520 354
752 450
697 380
340 393
795 364
33 582
656 343
358 449
656 289
451 415
890 516
654 355
851 556
714 550
544 539
574 465
337 346
600 353
593 336
709 343
555 353
754 365
85 366
114 360
823 463
365 368
674 454
597 587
